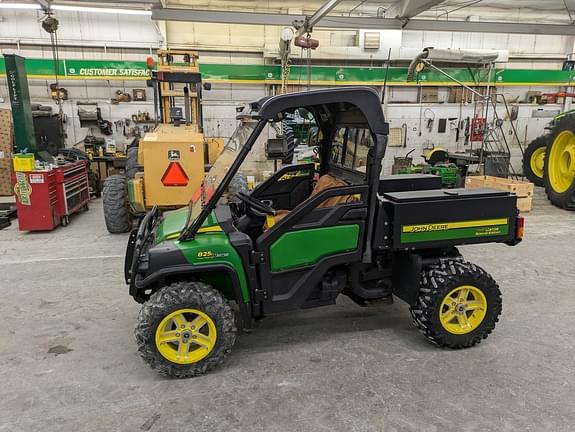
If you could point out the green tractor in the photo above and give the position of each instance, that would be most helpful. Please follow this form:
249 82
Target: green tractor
549 161
302 238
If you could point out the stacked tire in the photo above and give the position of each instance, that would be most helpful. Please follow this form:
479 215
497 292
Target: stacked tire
132 166
534 160
559 170
116 213
549 161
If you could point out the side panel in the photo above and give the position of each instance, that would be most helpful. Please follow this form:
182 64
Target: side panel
306 247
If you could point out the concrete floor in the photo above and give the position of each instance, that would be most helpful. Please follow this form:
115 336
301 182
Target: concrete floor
68 359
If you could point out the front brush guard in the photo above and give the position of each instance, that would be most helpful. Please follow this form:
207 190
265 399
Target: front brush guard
139 239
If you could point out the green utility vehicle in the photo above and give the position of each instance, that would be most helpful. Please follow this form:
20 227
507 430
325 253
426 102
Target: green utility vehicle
300 239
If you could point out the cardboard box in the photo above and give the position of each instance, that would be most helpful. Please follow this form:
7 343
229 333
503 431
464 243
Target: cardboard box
6 188
523 189
6 148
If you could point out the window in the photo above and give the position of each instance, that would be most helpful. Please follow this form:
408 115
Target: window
350 148
338 146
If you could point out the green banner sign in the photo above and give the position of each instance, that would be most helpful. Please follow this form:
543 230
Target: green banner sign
298 75
105 70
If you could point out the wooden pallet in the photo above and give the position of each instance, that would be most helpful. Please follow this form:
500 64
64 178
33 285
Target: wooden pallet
523 189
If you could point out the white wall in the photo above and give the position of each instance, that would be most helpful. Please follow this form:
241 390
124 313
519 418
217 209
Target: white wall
80 29
102 36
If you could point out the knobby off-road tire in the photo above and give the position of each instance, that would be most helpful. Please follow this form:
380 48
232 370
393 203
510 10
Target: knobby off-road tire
436 283
559 171
185 296
534 160
132 166
116 213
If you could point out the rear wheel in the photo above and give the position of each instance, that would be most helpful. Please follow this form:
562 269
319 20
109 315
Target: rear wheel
116 213
458 304
534 160
559 173
185 329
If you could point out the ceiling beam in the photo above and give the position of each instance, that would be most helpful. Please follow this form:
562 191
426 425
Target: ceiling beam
322 11
407 9
347 22
306 26
44 4
224 17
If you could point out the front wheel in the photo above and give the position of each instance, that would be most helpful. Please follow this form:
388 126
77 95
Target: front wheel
458 304
185 329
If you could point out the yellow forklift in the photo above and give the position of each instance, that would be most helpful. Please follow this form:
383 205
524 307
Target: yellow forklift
166 168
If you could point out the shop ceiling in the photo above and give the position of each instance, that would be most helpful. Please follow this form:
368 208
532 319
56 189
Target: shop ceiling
482 16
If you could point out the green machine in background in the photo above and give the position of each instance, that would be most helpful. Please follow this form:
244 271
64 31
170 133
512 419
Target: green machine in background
436 163
447 171
24 135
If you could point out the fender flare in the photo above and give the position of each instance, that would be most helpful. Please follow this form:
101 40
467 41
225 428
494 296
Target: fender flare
188 269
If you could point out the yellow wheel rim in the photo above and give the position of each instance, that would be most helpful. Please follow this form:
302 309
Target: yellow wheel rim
537 161
561 162
186 336
463 309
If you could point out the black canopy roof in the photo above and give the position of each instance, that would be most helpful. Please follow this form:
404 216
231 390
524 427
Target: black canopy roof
336 100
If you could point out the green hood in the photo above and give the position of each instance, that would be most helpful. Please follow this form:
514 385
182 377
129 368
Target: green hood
174 221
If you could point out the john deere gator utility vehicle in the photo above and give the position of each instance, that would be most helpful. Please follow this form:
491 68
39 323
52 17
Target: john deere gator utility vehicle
300 239
549 160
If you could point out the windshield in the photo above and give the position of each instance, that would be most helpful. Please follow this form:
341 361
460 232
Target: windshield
221 166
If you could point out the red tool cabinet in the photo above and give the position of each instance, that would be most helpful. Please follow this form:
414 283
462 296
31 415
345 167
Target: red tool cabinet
47 198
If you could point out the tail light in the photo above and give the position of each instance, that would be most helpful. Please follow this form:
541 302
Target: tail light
520 226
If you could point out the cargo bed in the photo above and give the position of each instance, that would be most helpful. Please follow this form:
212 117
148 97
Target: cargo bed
442 217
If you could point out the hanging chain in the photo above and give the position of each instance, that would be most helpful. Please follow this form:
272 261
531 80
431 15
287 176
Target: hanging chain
308 62
285 76
50 24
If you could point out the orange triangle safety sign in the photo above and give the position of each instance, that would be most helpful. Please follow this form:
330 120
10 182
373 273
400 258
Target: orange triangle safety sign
175 175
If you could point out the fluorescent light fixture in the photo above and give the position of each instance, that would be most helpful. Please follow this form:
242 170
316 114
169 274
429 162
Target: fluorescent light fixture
101 10
77 9
19 6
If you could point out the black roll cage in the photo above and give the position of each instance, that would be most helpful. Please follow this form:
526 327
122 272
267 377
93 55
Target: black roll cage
351 106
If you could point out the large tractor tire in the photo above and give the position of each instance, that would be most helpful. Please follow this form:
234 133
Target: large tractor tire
132 166
116 213
458 304
559 172
534 160
185 329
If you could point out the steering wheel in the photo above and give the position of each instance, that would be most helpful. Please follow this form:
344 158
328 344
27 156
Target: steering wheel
255 203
